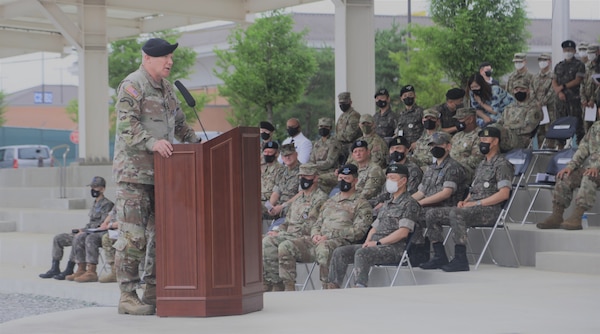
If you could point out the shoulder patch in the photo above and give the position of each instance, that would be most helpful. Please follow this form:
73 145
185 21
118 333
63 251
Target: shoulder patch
129 89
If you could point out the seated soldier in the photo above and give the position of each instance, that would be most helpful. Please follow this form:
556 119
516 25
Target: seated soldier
387 238
270 173
421 153
108 240
326 151
377 145
344 219
286 187
301 216
465 142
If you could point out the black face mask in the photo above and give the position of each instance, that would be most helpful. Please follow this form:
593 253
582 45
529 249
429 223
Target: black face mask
429 124
520 96
345 186
409 101
305 183
488 73
381 104
397 156
438 152
324 132
476 91
484 148
293 131
345 107
265 136
460 126
269 158
95 193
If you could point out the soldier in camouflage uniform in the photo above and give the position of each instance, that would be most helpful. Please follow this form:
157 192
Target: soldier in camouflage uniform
454 101
299 220
520 119
387 238
410 124
490 188
370 175
97 214
347 127
377 146
326 150
108 241
465 143
443 184
544 95
344 219
266 135
421 154
568 75
589 89
286 186
149 117
520 72
385 119
581 172
270 171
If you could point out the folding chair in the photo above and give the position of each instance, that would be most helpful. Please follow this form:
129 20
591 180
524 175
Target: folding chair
308 275
104 266
547 180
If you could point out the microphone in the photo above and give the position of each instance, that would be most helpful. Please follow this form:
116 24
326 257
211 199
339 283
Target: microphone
189 99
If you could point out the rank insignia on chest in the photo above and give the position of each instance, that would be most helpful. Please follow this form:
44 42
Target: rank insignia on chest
132 91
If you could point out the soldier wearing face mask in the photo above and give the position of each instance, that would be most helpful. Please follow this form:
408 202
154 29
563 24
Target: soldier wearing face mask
409 120
421 153
465 143
454 101
568 75
520 119
520 72
589 88
266 135
347 127
270 172
325 152
486 71
543 94
582 52
301 143
386 120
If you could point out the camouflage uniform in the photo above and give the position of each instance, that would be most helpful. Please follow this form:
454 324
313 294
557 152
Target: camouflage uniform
147 111
516 76
410 123
109 250
587 156
564 72
378 148
544 95
97 214
589 90
370 180
490 177
394 214
287 186
347 129
325 154
519 120
447 119
300 218
421 155
414 179
465 150
342 221
386 123
268 178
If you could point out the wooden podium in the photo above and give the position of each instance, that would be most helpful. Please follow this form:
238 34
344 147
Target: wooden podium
208 227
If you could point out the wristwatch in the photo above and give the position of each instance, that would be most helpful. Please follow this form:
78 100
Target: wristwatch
378 243
479 203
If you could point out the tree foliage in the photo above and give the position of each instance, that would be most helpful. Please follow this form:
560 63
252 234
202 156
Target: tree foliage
469 32
387 42
267 65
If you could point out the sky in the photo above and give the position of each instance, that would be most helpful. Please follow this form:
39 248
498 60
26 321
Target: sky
18 73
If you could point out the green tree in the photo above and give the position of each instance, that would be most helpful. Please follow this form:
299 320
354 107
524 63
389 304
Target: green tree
267 65
388 42
2 108
468 32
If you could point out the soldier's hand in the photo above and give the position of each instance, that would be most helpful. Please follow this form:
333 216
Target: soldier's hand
163 147
562 96
272 233
593 172
565 172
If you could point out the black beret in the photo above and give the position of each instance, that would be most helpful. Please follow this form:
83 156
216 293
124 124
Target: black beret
568 44
397 169
406 89
158 47
267 125
455 94
399 141
271 144
348 169
359 143
382 91
484 64
490 131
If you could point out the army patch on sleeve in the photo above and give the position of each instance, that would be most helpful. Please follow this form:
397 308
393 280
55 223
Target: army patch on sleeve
132 91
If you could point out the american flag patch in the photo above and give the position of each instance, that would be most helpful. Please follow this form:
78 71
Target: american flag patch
132 91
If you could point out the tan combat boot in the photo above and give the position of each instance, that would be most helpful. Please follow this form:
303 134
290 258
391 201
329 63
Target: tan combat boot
574 221
554 220
330 286
110 277
289 285
89 276
278 286
149 296
131 304
80 271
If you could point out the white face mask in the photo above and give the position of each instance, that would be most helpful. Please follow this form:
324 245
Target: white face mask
583 54
568 55
519 66
391 186
543 64
591 56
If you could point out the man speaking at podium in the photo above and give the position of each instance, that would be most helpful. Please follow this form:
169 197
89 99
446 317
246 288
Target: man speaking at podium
148 118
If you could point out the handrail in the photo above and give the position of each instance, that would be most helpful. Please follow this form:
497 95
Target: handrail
62 168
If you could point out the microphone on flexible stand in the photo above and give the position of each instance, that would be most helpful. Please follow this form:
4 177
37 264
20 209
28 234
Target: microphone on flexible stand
189 99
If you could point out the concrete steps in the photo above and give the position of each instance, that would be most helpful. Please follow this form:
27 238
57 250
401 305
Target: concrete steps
51 221
569 262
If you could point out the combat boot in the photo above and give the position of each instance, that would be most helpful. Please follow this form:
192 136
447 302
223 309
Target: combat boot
330 286
554 220
90 275
279 286
460 262
80 271
131 304
439 258
267 286
68 271
289 285
574 221
110 277
54 270
149 296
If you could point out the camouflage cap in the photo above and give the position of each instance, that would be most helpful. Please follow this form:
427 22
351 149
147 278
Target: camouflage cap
593 48
325 121
431 113
545 56
270 144
583 46
348 169
521 83
344 97
360 143
366 118
440 138
519 57
464 112
397 169
97 181
400 140
287 149
490 131
308 169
